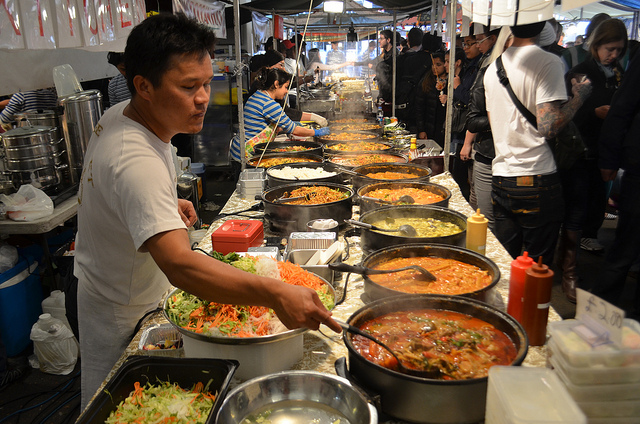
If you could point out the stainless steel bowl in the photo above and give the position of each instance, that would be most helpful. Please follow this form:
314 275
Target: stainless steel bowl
309 392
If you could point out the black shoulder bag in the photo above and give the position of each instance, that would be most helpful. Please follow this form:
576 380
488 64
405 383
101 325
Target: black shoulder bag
567 146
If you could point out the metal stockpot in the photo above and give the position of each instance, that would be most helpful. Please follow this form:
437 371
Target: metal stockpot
29 156
81 113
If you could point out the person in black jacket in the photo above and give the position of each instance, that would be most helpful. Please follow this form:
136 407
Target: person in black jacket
619 147
584 190
430 112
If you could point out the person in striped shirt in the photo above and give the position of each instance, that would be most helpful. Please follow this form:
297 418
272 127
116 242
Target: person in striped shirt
118 90
45 98
261 110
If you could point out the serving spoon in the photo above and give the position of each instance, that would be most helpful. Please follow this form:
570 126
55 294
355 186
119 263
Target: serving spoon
291 199
435 373
361 270
405 198
405 229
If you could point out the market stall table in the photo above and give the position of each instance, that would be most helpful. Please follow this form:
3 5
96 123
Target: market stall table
322 349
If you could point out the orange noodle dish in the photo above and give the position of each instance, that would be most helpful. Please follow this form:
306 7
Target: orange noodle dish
452 277
358 147
224 320
388 175
293 148
449 345
315 195
421 196
365 159
347 136
349 121
269 162
356 127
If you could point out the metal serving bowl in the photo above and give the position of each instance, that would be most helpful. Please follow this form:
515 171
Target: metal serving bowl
298 395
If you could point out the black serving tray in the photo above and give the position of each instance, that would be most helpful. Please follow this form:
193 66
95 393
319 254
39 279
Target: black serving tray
184 371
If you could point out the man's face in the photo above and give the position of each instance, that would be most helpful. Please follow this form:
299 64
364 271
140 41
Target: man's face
384 41
180 101
470 46
485 43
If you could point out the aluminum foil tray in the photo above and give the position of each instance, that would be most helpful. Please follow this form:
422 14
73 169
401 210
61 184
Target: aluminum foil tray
158 334
311 240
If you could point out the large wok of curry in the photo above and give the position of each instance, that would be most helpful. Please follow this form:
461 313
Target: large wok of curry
455 338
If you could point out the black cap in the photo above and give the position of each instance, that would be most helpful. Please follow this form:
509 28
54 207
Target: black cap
528 30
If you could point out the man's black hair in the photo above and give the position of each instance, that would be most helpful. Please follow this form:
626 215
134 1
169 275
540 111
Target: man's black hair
387 33
115 58
414 38
158 40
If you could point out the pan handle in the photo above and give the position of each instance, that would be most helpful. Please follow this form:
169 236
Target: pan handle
342 267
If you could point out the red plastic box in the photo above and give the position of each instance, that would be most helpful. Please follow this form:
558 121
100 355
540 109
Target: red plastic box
237 235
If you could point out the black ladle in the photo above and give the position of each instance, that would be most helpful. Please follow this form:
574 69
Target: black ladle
405 370
405 230
405 198
361 270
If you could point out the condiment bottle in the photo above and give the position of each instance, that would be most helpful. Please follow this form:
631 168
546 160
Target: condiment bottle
413 149
537 299
516 285
476 232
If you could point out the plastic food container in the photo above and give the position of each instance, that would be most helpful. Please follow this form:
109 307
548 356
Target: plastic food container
594 375
578 353
237 235
529 396
160 334
184 371
620 409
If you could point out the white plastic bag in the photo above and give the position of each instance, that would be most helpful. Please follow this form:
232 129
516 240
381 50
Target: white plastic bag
54 345
28 204
8 257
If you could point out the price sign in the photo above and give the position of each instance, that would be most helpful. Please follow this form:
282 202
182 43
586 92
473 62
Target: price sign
600 316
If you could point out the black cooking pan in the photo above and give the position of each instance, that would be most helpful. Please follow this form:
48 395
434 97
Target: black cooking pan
259 161
365 171
284 218
352 160
356 147
376 291
306 147
424 400
371 240
368 203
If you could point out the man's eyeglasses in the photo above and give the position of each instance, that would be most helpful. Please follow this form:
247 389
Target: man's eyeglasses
483 40
467 45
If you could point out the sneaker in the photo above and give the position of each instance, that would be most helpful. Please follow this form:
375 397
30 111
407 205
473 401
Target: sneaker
11 375
609 216
591 245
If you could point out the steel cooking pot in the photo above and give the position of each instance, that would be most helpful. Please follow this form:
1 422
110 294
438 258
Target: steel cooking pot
306 147
368 203
274 181
297 396
284 218
373 240
351 160
376 291
423 174
424 400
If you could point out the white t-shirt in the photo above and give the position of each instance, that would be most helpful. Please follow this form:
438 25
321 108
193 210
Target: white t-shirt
536 77
127 195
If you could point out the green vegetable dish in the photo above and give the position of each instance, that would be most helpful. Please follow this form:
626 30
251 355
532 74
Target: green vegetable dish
425 227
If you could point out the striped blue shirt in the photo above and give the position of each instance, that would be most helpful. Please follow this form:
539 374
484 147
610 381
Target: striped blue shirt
118 90
28 100
260 111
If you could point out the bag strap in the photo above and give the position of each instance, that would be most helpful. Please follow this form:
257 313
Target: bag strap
502 76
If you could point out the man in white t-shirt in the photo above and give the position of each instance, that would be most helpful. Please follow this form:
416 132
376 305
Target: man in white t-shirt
132 240
527 195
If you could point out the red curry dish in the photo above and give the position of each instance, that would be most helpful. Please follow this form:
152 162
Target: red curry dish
448 344
452 277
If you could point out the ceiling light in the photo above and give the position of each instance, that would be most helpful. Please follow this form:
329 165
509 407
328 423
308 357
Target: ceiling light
333 6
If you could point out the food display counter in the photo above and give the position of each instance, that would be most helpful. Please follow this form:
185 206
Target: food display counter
323 348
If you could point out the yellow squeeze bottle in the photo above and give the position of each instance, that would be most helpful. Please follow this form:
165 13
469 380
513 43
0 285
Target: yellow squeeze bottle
477 233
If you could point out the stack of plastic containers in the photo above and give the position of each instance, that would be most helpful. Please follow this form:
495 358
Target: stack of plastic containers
251 183
603 380
521 395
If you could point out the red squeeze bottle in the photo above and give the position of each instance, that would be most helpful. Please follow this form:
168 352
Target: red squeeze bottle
516 285
537 299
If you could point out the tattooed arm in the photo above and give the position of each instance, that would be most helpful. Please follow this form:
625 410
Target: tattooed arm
553 116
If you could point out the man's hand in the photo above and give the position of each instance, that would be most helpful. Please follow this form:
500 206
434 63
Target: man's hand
581 89
187 212
301 307
602 111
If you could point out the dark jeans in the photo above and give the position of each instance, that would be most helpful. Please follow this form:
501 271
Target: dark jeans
528 211
575 191
626 246
597 201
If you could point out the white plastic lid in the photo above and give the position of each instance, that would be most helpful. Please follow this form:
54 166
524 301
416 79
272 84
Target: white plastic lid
45 316
532 395
197 168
